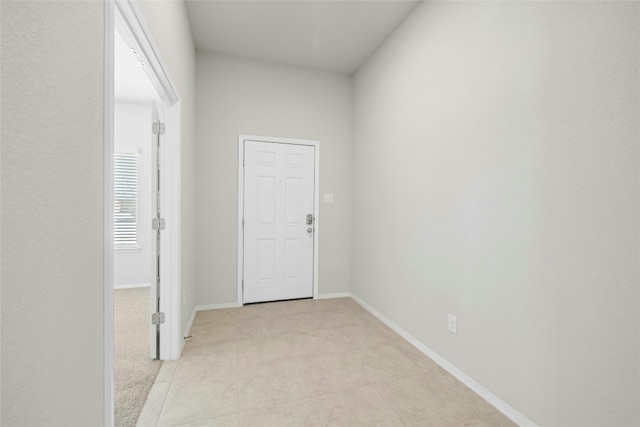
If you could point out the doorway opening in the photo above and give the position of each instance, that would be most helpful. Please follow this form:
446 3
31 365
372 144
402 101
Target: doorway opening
136 343
142 214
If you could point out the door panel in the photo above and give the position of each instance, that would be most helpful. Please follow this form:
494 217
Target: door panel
278 242
266 260
294 201
293 257
153 290
154 330
266 195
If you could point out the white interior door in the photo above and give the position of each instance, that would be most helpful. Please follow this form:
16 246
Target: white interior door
154 224
278 221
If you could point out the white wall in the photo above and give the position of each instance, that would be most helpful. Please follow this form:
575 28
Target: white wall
133 131
241 96
52 213
170 30
496 178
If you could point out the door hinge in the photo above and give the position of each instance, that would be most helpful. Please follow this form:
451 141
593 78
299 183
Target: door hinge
157 318
158 128
158 224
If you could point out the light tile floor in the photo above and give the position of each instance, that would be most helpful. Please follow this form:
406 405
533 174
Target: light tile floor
307 363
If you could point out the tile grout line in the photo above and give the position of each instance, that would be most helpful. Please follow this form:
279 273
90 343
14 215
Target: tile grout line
165 399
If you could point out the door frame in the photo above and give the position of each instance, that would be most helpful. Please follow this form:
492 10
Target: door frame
316 203
127 18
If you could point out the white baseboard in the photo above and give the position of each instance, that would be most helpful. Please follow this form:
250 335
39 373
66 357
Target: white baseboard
498 403
334 295
217 306
132 286
188 328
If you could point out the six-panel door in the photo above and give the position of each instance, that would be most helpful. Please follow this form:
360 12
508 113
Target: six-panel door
278 241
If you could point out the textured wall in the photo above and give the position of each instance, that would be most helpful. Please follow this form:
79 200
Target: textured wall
52 213
237 96
496 178
170 30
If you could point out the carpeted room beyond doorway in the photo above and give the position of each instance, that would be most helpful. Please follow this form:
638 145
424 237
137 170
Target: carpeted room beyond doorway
135 371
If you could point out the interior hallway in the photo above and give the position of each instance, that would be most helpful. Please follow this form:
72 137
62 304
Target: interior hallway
307 363
483 161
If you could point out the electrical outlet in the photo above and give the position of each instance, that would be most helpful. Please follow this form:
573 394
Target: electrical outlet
452 324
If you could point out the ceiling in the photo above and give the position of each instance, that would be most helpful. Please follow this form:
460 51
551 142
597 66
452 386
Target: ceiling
328 35
131 81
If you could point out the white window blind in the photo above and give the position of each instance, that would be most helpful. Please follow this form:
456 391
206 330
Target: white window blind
125 204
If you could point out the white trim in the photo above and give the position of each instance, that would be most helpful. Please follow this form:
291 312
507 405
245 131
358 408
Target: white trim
171 296
316 202
188 328
132 286
109 120
217 306
240 218
135 32
513 414
316 222
334 295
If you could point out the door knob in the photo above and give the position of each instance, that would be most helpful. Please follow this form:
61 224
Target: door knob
309 230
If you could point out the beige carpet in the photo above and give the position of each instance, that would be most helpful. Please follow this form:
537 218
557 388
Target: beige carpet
135 371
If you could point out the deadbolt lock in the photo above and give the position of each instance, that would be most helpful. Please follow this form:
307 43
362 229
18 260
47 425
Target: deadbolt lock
309 219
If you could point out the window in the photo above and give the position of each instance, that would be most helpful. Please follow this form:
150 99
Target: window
125 203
